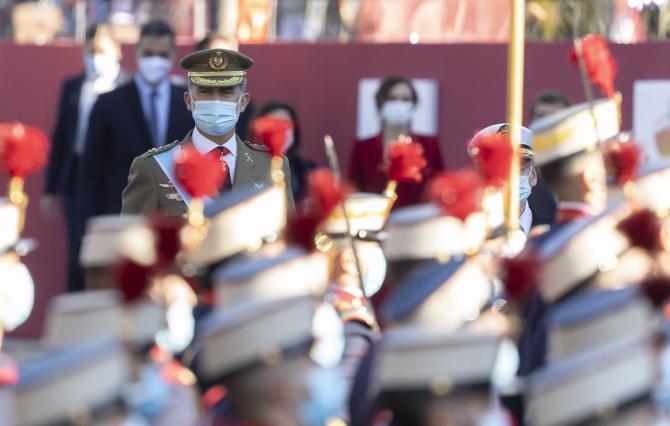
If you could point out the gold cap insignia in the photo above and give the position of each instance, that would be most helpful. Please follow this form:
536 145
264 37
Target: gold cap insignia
217 62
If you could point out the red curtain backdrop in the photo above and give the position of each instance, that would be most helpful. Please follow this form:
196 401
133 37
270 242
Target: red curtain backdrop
321 81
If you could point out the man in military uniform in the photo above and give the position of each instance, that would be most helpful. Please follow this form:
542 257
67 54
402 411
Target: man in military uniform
216 95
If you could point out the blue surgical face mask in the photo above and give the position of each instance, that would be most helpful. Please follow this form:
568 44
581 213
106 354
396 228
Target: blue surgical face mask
327 396
524 188
215 118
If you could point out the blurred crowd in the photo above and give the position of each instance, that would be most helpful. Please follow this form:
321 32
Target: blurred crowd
415 21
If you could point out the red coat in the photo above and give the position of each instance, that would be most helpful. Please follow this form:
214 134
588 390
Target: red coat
366 168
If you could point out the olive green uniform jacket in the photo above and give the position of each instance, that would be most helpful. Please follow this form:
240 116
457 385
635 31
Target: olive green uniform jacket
150 190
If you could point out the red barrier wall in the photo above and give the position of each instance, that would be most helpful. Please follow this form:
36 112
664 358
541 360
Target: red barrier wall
321 80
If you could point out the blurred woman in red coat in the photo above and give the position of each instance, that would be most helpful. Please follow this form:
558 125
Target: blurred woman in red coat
395 99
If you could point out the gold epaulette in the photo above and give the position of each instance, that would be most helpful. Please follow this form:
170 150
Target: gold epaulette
256 147
154 151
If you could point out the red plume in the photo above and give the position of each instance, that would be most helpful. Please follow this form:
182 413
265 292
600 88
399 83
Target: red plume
600 65
623 160
643 229
406 162
459 194
657 290
213 396
520 275
9 371
274 133
167 239
301 229
23 149
133 280
199 175
325 193
492 155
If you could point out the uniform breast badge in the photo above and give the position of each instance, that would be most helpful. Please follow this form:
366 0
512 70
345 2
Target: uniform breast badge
174 196
248 157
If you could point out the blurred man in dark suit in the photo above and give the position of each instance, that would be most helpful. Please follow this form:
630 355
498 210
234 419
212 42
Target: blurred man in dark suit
147 112
79 93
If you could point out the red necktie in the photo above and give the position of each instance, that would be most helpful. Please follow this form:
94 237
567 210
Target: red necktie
221 152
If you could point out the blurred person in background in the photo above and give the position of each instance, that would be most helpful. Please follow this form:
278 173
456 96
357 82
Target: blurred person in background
548 102
218 41
542 200
102 73
223 41
147 112
300 166
396 99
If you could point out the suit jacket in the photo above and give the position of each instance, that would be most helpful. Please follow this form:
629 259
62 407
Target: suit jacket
62 168
366 168
59 174
118 133
149 189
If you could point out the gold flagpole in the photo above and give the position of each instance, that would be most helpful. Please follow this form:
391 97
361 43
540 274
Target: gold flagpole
515 110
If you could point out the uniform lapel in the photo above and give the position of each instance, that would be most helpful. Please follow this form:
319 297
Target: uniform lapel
164 164
246 172
73 105
75 94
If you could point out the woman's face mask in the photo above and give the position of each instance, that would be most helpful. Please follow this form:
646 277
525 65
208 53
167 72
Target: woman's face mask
397 113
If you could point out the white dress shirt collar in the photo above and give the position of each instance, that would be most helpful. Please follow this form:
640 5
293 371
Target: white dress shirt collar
162 105
204 146
526 219
145 88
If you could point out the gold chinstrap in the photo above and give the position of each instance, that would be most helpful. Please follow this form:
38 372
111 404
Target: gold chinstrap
19 198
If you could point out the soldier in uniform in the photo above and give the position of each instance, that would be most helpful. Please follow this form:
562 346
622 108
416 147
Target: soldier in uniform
529 215
216 95
573 168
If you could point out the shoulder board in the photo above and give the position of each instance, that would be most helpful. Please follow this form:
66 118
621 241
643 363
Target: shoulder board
256 147
160 149
538 230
